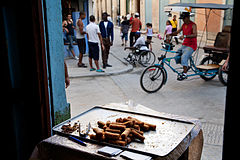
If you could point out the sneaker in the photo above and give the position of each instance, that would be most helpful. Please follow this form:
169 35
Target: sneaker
82 65
108 65
76 58
182 76
100 70
92 69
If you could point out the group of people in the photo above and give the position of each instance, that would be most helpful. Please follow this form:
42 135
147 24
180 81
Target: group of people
125 26
189 37
103 33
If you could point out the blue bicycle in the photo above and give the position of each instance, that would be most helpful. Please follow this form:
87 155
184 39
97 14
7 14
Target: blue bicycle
155 76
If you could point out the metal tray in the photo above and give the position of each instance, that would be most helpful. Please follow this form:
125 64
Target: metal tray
169 132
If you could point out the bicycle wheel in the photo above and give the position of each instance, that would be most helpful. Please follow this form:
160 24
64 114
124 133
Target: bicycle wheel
223 76
205 61
153 78
146 58
131 58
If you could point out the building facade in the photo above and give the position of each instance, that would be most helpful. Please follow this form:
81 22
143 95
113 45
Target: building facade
152 11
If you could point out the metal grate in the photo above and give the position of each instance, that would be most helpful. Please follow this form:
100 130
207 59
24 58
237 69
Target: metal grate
212 133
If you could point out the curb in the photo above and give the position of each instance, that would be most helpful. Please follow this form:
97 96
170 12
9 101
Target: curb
128 68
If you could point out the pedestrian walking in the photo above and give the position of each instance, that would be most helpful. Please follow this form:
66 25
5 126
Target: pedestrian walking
124 31
106 29
189 44
93 36
136 26
118 20
174 23
149 31
131 18
80 35
70 34
168 31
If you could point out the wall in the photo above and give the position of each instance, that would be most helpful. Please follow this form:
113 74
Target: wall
228 14
215 19
162 15
148 11
155 15
55 49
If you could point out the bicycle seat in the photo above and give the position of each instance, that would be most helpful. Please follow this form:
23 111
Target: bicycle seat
222 42
209 49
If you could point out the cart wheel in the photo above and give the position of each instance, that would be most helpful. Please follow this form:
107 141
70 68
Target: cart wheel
153 78
146 58
207 60
223 76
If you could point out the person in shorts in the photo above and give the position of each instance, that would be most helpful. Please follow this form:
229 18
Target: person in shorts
189 45
80 35
93 36
149 31
124 31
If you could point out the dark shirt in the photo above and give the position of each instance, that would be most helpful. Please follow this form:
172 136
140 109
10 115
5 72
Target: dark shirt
70 29
125 26
106 33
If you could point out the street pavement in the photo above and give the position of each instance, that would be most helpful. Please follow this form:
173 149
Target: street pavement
193 97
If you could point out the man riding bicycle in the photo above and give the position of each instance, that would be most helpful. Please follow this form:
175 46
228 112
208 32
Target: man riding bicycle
189 44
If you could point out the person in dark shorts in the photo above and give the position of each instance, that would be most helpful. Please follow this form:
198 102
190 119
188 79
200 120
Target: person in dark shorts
93 51
93 34
80 35
125 25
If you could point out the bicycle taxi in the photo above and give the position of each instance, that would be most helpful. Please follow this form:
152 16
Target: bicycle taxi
155 76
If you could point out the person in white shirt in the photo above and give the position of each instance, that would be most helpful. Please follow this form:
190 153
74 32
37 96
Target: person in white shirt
144 45
93 36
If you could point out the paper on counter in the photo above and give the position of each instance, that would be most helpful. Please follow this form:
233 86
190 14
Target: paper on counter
109 151
134 156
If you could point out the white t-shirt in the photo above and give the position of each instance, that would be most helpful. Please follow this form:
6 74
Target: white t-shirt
92 30
141 41
105 24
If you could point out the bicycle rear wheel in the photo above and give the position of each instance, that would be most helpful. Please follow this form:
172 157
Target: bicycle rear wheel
223 76
146 58
207 60
153 78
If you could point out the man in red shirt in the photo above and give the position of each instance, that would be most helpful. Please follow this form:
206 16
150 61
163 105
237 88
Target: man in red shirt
136 26
189 44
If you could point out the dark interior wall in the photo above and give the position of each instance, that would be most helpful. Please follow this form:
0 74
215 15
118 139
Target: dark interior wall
24 86
231 123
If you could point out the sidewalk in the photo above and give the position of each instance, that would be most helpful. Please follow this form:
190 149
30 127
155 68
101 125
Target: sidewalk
118 67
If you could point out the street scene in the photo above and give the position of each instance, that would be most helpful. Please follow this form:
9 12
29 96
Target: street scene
119 79
120 83
193 97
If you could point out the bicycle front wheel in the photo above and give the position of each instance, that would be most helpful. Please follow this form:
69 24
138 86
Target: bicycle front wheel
153 78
